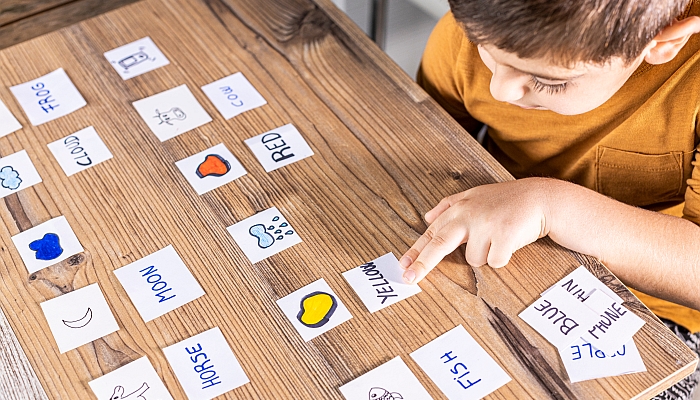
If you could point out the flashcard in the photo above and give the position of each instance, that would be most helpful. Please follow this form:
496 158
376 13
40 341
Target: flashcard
379 283
391 380
47 244
211 168
205 365
233 95
314 309
49 97
459 366
582 283
159 283
8 122
79 317
264 234
584 362
17 172
136 58
615 326
80 151
136 380
172 112
279 147
559 317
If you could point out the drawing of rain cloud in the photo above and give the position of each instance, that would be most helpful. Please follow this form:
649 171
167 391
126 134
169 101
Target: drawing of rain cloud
9 178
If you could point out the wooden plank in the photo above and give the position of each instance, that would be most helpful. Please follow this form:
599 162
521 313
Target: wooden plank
14 10
384 154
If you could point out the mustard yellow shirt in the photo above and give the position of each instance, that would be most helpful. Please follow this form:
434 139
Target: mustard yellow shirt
638 147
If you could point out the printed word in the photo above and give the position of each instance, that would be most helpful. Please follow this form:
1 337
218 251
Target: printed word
232 97
206 372
276 142
610 315
577 292
458 369
370 269
73 144
597 353
159 285
553 312
44 97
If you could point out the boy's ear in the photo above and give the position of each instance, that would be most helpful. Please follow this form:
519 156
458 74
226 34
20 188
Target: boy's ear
671 40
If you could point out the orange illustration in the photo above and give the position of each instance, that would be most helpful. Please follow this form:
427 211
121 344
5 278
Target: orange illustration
213 165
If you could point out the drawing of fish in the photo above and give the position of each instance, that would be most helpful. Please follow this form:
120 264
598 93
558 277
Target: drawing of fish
382 394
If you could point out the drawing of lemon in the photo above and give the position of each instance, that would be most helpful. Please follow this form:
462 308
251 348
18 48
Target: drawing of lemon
316 309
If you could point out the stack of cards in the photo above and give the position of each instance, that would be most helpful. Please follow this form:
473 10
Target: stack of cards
579 310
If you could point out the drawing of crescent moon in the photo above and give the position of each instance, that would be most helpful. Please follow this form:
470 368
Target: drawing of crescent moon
79 323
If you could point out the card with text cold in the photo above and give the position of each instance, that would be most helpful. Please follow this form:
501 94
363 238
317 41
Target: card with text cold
159 283
279 147
47 244
233 95
264 234
172 112
49 97
389 381
205 365
137 380
584 362
80 151
211 168
8 122
459 366
17 172
379 283
136 58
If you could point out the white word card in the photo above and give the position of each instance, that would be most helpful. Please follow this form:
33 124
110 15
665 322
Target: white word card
49 97
136 380
17 172
615 324
581 283
559 317
279 147
379 283
392 380
159 283
205 365
314 309
264 234
211 168
8 122
80 151
172 112
136 58
584 362
47 244
79 317
459 366
233 95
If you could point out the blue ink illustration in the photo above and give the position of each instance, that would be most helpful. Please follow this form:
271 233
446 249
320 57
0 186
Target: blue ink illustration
265 238
174 114
47 248
382 394
134 59
118 393
9 178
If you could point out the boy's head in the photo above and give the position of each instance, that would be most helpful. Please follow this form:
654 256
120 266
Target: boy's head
570 56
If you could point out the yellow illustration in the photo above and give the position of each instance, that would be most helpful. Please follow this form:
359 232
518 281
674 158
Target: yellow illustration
316 309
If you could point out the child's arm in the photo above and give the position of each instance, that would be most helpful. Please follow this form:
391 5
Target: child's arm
652 252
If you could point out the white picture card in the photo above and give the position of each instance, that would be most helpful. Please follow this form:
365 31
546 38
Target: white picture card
79 317
137 380
80 151
233 95
264 234
279 147
8 122
17 172
391 380
48 97
47 244
584 362
211 168
172 112
136 58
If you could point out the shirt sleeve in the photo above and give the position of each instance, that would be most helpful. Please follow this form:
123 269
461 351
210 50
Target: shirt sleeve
691 210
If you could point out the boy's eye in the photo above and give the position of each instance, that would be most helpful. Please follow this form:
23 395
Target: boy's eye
549 88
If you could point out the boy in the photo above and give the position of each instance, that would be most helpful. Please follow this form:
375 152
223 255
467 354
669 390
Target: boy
593 105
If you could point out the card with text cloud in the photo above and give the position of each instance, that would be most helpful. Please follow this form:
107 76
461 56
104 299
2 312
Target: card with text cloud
136 58
172 112
47 244
79 317
159 283
211 168
49 97
389 381
17 172
279 147
205 365
584 362
137 380
8 122
264 234
233 95
80 151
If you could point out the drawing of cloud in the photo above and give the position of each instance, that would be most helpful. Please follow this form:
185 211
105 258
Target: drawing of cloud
9 178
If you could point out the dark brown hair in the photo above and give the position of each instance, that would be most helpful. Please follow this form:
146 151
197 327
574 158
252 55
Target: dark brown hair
567 31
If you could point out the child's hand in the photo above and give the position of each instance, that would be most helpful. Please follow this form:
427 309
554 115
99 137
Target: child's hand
494 220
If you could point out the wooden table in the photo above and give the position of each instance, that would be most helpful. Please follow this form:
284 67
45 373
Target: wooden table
384 154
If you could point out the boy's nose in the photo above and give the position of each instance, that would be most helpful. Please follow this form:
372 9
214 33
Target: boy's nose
508 85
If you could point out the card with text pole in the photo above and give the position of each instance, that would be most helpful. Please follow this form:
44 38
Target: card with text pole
17 172
379 283
8 122
279 147
47 244
615 326
211 168
264 234
459 366
80 151
172 112
49 97
584 362
205 365
137 380
233 95
136 58
159 283
389 381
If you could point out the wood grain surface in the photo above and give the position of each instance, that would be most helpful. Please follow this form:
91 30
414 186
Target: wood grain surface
385 153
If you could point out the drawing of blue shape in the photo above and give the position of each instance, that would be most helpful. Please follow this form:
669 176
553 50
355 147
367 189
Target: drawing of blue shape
47 248
9 178
265 239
